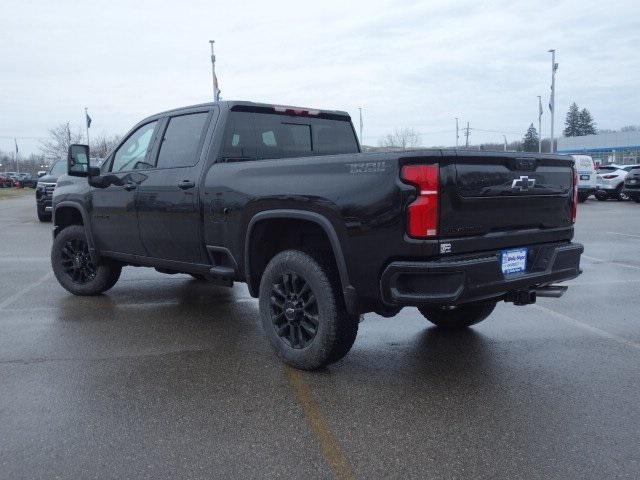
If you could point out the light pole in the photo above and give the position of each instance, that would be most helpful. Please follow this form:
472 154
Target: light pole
552 100
505 142
457 133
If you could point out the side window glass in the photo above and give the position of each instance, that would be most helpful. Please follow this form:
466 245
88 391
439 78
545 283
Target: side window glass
132 154
239 140
181 141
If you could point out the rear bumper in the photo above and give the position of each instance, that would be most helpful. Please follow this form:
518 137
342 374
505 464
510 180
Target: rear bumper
456 280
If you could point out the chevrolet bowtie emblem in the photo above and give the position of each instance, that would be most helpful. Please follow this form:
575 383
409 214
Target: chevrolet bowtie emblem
523 183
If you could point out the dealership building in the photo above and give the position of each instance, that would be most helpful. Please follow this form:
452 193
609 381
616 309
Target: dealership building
617 147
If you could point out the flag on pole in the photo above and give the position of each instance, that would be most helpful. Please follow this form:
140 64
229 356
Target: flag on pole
88 119
539 107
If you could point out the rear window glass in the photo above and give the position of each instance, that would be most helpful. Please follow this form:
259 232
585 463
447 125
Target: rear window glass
263 136
607 169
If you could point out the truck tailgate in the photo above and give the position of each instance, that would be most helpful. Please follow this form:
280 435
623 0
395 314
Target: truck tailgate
495 195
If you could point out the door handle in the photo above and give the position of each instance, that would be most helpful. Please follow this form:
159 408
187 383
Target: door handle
130 186
186 184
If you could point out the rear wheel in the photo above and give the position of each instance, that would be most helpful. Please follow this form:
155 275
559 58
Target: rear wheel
43 216
620 195
74 268
303 312
457 316
602 195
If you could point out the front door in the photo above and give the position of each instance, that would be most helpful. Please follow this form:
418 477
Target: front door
167 200
114 219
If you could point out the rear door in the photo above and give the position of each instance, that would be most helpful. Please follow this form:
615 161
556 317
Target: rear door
495 194
168 199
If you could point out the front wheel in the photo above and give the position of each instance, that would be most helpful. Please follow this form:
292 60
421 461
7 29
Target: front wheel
303 312
457 316
74 268
43 215
582 197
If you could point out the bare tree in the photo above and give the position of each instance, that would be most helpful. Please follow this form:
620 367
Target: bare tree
101 146
404 138
60 137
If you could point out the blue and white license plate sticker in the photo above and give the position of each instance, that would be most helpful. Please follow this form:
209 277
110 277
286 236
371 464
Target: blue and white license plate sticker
514 261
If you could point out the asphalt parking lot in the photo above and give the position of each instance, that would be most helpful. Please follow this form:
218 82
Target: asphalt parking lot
166 377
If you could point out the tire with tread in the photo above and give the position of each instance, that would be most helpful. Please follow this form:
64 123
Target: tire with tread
336 330
42 215
107 272
457 317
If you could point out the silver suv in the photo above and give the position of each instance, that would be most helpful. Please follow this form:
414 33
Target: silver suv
610 181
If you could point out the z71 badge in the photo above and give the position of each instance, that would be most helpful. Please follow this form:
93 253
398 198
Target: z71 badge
367 167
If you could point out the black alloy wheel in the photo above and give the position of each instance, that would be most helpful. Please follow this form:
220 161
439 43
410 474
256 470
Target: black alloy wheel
294 310
76 261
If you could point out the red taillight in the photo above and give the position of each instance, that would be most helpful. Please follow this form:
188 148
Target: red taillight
574 207
296 110
422 214
609 177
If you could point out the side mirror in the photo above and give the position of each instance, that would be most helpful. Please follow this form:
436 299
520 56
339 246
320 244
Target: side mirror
78 164
41 173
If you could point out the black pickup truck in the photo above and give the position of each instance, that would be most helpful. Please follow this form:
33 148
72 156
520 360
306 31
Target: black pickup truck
281 198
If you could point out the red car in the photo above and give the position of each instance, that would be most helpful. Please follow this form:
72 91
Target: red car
5 181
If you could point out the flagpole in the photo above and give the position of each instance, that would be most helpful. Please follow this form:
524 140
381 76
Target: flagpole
552 102
86 122
539 124
361 139
16 156
216 90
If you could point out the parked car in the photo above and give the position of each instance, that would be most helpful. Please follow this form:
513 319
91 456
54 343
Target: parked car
610 181
281 198
44 189
25 180
5 181
632 184
586 176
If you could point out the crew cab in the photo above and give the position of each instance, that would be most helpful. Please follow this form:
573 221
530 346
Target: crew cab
282 198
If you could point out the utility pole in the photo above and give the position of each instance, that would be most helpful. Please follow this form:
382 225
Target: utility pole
457 133
216 90
505 142
539 124
361 139
466 134
552 100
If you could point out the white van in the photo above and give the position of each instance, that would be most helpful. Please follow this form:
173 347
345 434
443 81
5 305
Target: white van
586 176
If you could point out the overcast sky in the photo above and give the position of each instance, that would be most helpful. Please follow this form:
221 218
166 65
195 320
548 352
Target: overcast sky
407 64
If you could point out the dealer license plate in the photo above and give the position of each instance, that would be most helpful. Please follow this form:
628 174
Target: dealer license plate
585 177
514 260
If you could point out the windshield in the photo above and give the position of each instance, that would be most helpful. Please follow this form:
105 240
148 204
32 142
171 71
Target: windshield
58 168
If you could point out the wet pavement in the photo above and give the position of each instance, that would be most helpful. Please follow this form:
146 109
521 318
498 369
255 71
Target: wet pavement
167 377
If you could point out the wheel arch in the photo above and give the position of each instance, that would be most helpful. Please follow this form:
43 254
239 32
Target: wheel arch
72 213
327 227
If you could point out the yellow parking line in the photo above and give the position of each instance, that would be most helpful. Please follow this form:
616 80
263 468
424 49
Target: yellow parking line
331 450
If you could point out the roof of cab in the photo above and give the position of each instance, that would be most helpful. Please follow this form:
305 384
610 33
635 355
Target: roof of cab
233 103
